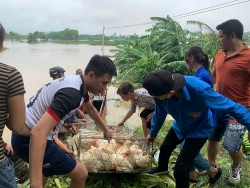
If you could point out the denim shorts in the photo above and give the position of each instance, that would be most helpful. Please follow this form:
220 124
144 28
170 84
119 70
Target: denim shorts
55 162
7 174
233 131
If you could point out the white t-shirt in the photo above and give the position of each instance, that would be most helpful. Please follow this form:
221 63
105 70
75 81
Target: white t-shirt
60 98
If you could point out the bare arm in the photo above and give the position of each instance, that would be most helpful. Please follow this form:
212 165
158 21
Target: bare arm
80 113
16 108
91 110
38 140
62 145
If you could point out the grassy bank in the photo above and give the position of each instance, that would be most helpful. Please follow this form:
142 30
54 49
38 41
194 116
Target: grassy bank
144 180
90 42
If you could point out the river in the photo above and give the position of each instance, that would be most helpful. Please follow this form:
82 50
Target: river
34 61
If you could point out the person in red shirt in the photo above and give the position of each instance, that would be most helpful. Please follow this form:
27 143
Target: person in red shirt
231 75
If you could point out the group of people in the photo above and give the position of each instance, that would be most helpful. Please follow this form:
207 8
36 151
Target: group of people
200 112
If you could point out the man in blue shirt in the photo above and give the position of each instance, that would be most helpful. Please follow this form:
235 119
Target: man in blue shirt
188 100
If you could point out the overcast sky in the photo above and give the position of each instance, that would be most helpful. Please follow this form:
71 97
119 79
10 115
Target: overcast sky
89 16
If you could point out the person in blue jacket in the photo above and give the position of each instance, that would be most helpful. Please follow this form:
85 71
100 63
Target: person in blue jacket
198 61
188 100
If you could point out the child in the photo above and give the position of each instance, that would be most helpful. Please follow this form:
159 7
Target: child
141 98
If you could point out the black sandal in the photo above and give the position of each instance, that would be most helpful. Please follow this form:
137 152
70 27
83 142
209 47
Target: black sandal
216 177
194 181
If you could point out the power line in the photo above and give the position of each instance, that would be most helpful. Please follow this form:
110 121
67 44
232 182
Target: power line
176 17
208 9
145 23
204 8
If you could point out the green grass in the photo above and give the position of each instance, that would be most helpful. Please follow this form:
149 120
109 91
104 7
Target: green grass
144 180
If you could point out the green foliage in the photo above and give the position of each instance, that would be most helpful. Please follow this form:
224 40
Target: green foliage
32 38
163 47
41 35
246 37
13 36
64 181
66 34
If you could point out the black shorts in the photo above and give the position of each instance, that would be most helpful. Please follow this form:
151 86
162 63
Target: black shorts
144 113
55 161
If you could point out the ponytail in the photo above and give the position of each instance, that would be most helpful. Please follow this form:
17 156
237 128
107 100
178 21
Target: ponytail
199 56
206 62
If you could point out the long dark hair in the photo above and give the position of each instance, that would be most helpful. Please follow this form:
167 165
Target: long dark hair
199 56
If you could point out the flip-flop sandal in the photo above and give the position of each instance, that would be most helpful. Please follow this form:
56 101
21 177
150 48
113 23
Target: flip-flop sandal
216 177
194 181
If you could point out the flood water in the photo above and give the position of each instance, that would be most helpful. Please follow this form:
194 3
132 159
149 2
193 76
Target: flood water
35 60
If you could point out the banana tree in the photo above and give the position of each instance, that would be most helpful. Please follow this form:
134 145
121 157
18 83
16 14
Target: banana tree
134 62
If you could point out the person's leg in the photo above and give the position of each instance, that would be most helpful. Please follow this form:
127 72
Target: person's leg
45 180
7 174
148 127
144 126
232 143
192 174
78 176
213 147
202 165
236 157
168 145
185 159
57 162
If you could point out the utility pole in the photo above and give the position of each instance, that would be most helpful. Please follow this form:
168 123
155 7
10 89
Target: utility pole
103 40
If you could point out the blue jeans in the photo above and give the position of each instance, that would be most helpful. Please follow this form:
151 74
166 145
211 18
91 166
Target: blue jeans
199 162
7 174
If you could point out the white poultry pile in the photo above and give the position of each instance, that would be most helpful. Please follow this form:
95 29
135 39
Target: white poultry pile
117 155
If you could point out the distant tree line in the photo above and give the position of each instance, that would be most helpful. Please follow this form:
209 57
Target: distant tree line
13 36
106 38
65 35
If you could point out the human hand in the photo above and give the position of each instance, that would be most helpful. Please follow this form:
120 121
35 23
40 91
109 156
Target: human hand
107 135
81 114
150 139
121 123
80 120
9 149
149 117
73 128
70 152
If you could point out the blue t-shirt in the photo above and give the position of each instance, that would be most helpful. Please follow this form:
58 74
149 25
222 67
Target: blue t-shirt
204 75
193 119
